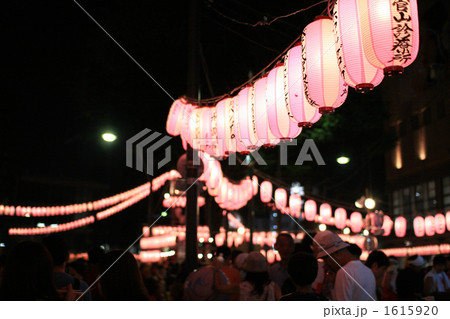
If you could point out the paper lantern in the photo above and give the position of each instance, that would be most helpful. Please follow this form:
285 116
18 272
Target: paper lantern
356 222
174 119
325 212
280 198
355 68
260 119
255 185
295 205
246 118
310 210
281 124
447 220
216 149
390 33
323 85
419 226
298 106
430 229
439 220
340 218
266 191
270 256
400 226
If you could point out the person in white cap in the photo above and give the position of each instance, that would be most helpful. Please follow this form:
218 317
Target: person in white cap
354 281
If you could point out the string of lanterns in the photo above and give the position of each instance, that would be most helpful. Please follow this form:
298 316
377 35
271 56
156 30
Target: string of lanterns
359 43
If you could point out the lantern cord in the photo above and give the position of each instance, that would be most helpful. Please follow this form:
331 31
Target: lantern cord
263 22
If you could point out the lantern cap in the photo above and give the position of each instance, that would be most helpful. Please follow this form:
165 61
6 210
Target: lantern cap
364 87
393 70
322 17
304 124
326 109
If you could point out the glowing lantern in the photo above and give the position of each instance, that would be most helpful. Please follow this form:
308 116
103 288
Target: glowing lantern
324 87
390 33
340 218
281 123
255 185
439 220
266 191
259 120
270 256
419 226
295 205
310 210
185 118
298 106
247 124
174 119
447 220
400 226
430 229
355 68
280 198
356 222
325 212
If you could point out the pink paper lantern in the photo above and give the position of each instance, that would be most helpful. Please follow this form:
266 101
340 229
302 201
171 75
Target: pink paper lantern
174 119
325 212
259 109
430 229
280 198
295 205
447 220
355 68
356 222
266 191
439 220
281 123
340 218
246 118
255 185
299 108
400 226
419 226
310 210
270 256
324 87
390 33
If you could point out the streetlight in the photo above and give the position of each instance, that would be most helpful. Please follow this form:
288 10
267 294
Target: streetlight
343 160
369 203
109 137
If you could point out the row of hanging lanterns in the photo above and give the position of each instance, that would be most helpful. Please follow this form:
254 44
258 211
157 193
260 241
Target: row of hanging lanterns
46 211
362 41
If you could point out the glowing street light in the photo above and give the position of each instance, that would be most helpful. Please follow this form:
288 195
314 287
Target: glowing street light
322 227
343 160
369 203
109 137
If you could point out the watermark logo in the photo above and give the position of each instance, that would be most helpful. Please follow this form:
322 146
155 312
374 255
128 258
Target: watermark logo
141 148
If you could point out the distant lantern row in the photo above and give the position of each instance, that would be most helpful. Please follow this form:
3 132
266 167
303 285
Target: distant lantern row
362 41
46 211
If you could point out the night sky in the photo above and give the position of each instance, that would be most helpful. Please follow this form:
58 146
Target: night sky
65 82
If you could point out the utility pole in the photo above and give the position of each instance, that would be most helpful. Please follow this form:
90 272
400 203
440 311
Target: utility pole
191 169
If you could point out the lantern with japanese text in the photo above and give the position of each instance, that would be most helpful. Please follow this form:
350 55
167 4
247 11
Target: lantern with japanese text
246 118
281 124
400 226
355 68
390 33
324 87
298 106
260 118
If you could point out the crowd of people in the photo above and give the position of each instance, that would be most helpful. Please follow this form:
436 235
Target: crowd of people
325 268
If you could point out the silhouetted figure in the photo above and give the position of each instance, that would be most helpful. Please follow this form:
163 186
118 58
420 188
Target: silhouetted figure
28 274
122 281
302 269
378 262
409 280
